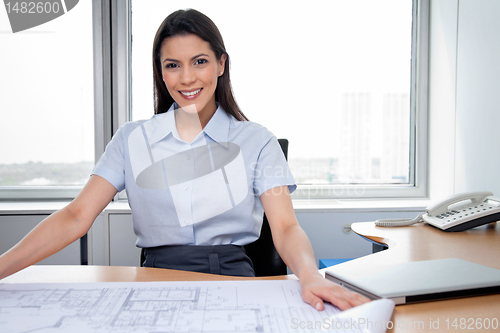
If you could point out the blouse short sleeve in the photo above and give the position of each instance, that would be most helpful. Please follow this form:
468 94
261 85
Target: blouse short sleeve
271 169
111 165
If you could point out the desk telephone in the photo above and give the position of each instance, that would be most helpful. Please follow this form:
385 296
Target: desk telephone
458 212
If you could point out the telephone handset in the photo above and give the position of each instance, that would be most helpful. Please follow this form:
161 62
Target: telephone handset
458 212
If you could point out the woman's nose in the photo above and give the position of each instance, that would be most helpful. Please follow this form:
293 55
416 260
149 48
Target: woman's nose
187 76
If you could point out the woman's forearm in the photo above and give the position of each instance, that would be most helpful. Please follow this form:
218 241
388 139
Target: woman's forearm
296 251
59 229
289 238
50 236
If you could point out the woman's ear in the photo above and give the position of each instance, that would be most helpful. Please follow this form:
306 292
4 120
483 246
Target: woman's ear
222 63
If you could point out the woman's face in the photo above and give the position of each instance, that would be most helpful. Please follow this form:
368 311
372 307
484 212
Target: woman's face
190 70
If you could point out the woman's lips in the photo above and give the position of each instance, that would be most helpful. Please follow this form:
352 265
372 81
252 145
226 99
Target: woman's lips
191 94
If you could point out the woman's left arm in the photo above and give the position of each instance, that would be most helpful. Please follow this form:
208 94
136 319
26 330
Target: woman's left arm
295 249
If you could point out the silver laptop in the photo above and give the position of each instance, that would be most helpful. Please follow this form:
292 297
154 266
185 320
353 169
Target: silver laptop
422 281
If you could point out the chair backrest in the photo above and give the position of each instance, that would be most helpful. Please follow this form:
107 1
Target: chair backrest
265 258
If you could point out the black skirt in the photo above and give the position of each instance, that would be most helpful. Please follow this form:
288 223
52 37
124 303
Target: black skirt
216 259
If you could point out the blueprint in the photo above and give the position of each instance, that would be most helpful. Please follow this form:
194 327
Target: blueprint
201 306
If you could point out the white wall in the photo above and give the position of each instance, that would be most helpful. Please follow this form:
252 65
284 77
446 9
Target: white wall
464 97
478 96
442 79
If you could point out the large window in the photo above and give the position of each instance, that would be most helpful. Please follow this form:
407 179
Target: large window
343 81
47 106
335 78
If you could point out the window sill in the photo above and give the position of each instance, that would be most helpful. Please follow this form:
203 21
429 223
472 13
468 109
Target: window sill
300 206
365 205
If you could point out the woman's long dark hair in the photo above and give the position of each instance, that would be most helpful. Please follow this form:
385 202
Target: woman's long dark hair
190 21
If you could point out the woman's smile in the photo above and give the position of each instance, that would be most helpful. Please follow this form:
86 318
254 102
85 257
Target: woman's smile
190 94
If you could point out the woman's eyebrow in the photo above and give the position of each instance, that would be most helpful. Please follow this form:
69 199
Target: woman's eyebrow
199 55
196 56
173 60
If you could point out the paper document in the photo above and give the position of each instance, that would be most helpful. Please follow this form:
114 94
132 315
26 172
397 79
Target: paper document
198 306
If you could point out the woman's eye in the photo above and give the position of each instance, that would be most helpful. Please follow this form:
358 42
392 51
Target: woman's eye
200 61
171 66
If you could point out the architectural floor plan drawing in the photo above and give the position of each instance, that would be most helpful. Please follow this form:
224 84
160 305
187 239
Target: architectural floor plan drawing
209 306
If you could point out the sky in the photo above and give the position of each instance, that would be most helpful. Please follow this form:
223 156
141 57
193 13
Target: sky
46 90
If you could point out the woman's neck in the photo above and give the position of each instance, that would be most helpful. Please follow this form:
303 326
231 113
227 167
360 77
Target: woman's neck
190 123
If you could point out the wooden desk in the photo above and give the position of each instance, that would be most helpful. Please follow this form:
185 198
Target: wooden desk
90 274
423 242
420 242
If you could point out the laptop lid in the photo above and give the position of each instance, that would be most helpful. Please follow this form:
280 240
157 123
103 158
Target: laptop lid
422 281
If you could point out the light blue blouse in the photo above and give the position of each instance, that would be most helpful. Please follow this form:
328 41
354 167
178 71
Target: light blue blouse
206 192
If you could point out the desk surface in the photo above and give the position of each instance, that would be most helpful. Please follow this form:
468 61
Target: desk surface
90 274
420 242
423 242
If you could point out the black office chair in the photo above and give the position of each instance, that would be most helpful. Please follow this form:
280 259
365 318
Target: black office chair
265 258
